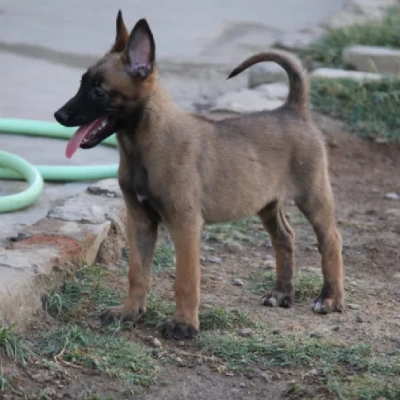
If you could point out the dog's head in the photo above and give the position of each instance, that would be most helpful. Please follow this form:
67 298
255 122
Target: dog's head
112 89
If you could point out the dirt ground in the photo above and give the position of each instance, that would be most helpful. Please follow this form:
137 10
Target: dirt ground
362 173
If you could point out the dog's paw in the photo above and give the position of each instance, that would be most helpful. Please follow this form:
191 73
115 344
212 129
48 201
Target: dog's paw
178 330
114 314
329 304
276 298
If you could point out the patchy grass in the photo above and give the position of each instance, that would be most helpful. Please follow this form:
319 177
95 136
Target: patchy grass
4 383
121 358
158 311
349 371
13 346
327 51
366 387
91 286
219 319
370 108
248 231
279 350
60 303
307 285
163 257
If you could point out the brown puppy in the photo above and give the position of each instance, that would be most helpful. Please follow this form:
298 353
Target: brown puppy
185 170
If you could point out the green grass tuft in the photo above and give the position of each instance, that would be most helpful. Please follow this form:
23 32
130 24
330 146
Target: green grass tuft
4 383
295 351
158 311
307 285
366 387
13 346
370 108
61 303
87 288
118 357
327 51
219 319
163 257
248 231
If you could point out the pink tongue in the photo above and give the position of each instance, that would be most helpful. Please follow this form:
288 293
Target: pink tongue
79 135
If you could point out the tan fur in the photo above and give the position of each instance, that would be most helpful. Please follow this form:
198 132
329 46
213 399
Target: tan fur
201 171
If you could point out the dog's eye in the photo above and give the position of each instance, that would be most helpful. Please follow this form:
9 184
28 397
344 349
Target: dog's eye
100 94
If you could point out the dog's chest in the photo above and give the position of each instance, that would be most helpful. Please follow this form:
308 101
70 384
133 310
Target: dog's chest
134 181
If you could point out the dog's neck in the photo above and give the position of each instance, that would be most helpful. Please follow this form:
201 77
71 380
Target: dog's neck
151 116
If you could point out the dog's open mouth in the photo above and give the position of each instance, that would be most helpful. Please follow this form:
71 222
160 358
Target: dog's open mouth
90 135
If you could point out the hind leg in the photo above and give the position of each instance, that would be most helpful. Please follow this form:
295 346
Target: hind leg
282 237
318 206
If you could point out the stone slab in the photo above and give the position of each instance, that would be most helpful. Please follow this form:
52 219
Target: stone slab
331 73
373 59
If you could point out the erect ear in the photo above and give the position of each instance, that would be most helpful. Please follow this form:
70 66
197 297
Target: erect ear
141 49
122 36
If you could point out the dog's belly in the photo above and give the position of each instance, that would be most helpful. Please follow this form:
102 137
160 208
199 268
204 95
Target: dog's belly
226 208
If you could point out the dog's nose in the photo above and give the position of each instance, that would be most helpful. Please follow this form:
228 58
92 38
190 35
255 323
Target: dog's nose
62 117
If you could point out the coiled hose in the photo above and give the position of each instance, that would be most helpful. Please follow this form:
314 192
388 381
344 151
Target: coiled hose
16 168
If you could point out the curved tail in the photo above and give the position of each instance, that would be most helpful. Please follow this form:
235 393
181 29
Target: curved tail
298 83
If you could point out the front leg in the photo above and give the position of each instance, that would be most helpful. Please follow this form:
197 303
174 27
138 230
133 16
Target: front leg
186 235
142 231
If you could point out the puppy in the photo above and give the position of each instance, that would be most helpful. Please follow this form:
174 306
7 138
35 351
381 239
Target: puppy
184 171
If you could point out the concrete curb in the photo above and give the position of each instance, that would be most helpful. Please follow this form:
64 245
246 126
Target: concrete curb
85 228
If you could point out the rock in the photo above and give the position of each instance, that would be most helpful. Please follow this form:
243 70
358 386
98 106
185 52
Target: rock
393 211
296 41
266 73
243 101
392 196
203 103
206 247
153 342
336 328
269 264
156 343
242 384
272 302
330 73
202 259
179 361
359 319
234 247
353 306
274 91
237 282
358 12
246 332
269 257
316 335
106 188
373 59
214 259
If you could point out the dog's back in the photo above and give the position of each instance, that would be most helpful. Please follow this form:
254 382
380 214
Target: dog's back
253 159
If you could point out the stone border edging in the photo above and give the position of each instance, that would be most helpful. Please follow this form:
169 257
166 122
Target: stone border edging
85 228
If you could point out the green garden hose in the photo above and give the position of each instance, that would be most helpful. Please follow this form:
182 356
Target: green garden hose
13 167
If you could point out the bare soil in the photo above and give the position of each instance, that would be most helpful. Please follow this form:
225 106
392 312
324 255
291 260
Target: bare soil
362 173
